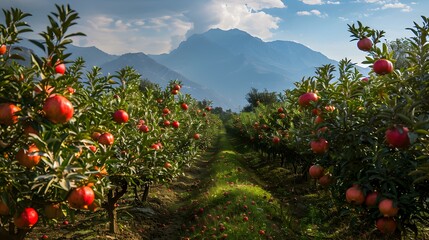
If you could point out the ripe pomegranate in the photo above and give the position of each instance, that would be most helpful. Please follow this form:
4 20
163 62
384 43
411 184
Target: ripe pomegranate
371 199
387 209
81 197
316 111
92 148
120 116
60 68
276 140
167 165
319 146
154 146
8 114
316 171
3 49
23 156
318 120
197 136
355 195
106 139
175 124
177 87
166 111
386 225
325 180
184 106
58 109
95 136
397 137
26 219
382 66
280 110
305 99
166 123
144 128
364 44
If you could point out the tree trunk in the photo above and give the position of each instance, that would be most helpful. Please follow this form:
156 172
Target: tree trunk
113 218
146 192
11 234
112 200
136 194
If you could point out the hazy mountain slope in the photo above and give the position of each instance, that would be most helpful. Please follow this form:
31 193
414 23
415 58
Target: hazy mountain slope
232 62
147 67
157 73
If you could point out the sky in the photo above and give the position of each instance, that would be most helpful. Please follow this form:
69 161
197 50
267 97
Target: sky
158 26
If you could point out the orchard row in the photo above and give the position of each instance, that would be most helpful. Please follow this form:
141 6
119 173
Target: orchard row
73 138
363 137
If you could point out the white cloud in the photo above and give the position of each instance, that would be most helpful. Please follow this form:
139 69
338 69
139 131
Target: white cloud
375 1
135 35
162 33
303 13
319 2
313 12
403 7
244 17
312 2
158 26
389 4
256 5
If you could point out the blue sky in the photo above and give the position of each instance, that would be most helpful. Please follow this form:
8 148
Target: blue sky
158 26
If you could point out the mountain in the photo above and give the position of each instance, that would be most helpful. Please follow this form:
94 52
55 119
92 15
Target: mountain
92 55
143 64
232 62
217 65
155 72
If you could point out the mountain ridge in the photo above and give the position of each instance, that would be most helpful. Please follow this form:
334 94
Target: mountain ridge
232 62
218 65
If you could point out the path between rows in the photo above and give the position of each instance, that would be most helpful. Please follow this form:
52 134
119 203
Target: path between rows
213 200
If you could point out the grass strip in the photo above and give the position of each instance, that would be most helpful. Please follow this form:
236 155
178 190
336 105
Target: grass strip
234 206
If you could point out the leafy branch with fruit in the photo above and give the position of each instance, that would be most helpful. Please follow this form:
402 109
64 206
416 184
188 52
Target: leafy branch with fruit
363 138
73 139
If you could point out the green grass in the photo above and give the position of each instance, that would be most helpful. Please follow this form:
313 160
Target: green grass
234 206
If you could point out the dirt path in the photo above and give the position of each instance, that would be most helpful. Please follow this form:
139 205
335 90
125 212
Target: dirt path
177 199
